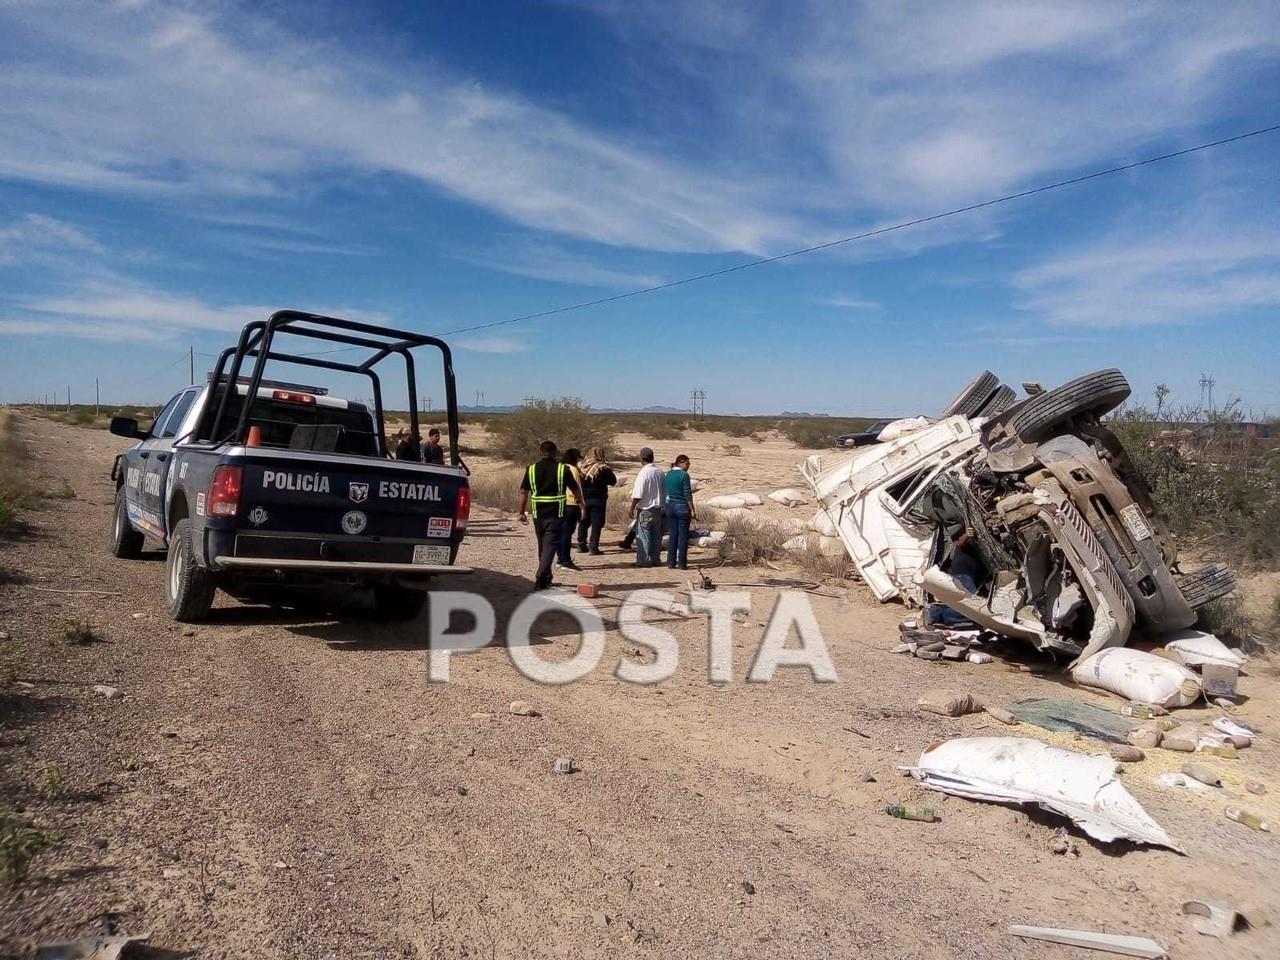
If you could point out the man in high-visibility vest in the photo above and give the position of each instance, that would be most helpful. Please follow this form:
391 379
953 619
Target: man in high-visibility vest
544 486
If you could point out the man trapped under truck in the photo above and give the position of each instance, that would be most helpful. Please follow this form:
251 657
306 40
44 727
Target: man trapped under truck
544 485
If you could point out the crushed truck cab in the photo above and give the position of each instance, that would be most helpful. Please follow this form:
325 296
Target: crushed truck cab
267 490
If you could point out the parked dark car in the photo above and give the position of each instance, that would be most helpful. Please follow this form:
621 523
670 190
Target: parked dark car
847 441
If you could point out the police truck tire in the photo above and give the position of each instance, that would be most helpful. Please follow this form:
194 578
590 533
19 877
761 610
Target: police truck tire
973 397
394 602
1207 584
188 587
1091 395
126 542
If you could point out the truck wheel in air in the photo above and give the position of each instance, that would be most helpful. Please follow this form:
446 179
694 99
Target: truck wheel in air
188 587
1091 395
394 602
126 542
973 397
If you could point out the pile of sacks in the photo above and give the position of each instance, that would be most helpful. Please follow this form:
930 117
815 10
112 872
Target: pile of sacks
819 533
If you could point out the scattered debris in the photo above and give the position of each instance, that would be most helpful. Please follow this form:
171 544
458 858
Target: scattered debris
520 708
1225 703
1248 818
1180 780
999 713
482 716
1062 845
1219 679
748 887
1256 787
868 777
1075 716
1198 771
564 765
1195 648
1126 753
1138 676
1021 770
89 948
600 918
1106 942
1143 711
911 811
977 656
948 703
589 590
1234 728
1214 918
1184 738
1127 885
102 690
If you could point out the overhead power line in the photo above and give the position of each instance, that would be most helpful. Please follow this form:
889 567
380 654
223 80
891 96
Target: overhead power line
879 231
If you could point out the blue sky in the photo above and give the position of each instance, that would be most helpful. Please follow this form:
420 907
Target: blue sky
169 171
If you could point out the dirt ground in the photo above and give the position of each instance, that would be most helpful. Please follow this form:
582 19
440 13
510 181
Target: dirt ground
275 785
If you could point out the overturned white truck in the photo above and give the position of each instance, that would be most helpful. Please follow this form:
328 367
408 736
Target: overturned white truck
1025 516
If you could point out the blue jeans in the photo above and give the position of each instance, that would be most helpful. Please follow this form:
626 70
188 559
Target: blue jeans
965 570
677 533
648 537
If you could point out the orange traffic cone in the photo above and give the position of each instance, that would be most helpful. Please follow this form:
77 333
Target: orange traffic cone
255 437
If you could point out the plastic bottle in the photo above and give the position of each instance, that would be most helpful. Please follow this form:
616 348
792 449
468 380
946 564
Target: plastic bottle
911 811
1248 818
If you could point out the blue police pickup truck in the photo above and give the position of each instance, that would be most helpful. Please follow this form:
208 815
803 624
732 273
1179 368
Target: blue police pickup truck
268 489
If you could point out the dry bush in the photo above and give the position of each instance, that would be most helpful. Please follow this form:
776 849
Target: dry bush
664 430
567 421
733 449
80 633
15 485
748 540
497 487
818 566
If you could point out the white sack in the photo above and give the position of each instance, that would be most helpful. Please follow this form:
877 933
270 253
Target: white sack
831 547
1195 648
821 523
726 502
900 428
1022 770
796 544
794 525
1139 676
790 496
750 499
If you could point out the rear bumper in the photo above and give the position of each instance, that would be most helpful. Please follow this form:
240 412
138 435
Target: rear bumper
337 568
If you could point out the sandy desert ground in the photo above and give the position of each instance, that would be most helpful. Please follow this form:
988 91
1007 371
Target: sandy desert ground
276 785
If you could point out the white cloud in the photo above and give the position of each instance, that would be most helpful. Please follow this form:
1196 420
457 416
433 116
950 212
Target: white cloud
546 261
492 345
850 303
1177 274
36 235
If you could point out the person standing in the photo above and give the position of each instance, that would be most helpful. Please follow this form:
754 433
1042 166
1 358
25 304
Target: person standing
432 452
597 478
543 487
646 508
406 449
572 509
680 512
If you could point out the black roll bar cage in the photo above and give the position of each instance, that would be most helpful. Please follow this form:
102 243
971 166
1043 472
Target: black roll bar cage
256 342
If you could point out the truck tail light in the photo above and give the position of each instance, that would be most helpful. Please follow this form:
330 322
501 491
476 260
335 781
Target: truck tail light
292 396
464 508
224 491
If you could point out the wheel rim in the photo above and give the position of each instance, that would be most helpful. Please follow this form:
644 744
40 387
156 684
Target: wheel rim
176 559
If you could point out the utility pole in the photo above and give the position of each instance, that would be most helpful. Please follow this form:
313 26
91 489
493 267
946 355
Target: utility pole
529 401
479 398
97 397
698 399
68 399
191 363
1206 390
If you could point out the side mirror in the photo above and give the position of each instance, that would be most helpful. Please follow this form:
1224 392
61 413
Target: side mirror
126 427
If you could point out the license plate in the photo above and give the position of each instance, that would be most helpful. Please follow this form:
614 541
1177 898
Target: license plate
1135 522
424 553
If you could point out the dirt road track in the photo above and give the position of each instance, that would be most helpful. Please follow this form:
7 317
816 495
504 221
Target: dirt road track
278 786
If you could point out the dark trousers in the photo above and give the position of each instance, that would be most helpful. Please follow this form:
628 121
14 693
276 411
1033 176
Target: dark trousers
678 534
567 526
591 524
548 534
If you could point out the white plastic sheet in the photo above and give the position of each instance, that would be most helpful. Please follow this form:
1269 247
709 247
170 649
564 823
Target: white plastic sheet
1021 770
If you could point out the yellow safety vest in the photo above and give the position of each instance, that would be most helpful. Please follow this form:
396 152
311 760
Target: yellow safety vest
558 499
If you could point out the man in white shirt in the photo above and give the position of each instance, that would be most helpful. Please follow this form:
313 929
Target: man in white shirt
646 508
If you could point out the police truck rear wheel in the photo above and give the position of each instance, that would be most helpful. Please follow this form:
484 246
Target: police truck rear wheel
395 602
188 587
126 542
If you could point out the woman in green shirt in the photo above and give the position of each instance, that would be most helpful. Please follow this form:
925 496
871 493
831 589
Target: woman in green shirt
680 512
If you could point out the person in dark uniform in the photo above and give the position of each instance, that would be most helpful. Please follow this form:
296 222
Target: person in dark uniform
432 452
543 488
406 446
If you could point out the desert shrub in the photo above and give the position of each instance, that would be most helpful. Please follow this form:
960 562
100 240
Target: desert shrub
816 565
751 540
809 434
61 491
497 487
79 633
1210 483
20 843
664 431
53 784
733 449
736 427
567 421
